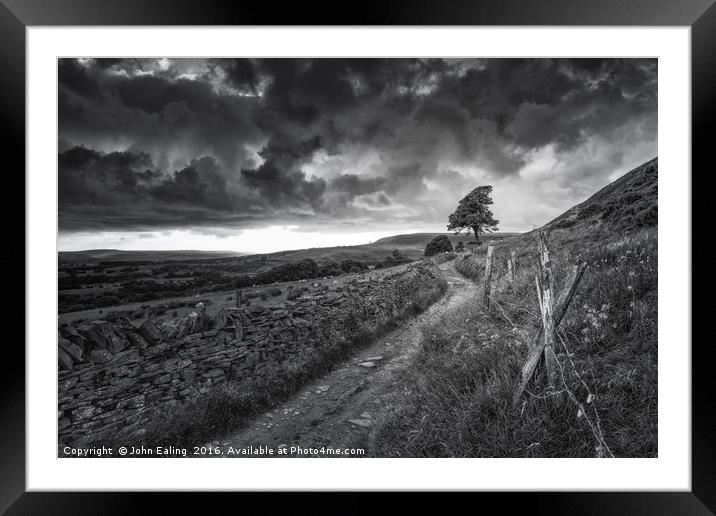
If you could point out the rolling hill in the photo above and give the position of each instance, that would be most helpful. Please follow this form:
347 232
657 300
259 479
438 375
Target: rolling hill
116 255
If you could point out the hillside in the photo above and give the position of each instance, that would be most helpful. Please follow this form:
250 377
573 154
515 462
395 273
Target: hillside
420 240
628 203
412 244
461 386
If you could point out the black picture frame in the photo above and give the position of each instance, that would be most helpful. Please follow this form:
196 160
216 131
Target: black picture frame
17 15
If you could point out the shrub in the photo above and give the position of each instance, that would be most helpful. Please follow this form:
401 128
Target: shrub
348 265
303 269
439 244
399 256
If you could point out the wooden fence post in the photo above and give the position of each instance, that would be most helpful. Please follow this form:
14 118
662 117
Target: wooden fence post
238 297
537 344
511 266
488 274
545 293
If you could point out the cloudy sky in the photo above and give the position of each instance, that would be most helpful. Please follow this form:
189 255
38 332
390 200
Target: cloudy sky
269 154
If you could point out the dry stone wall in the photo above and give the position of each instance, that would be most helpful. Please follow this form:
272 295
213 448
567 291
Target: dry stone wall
114 374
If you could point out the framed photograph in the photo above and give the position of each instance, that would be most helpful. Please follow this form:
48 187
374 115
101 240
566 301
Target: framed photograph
435 238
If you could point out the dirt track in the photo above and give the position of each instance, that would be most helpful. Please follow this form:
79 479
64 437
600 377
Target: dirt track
338 409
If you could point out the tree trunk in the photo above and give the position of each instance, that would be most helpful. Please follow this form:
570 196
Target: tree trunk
476 230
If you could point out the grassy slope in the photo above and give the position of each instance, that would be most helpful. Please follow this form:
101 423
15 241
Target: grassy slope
460 392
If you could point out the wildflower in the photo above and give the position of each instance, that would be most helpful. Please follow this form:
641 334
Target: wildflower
590 398
630 288
580 413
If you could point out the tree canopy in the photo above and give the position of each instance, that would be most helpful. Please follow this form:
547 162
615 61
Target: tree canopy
472 213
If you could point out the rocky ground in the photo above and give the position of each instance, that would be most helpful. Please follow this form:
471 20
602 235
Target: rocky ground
339 409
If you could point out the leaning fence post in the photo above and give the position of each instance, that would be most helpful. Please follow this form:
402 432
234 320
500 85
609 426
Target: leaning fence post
488 273
537 345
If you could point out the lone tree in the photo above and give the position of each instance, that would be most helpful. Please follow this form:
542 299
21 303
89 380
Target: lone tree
439 244
472 213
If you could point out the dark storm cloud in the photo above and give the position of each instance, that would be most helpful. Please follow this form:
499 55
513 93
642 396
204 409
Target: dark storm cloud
247 140
171 117
88 177
279 179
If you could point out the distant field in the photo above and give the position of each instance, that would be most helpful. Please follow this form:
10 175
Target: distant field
376 250
91 283
180 306
116 255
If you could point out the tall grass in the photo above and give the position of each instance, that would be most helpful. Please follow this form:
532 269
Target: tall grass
460 401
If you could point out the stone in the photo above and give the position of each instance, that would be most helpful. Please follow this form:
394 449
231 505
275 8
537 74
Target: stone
155 350
82 413
165 378
100 356
168 330
132 403
67 384
115 343
170 364
72 335
150 332
374 359
96 333
188 374
367 364
70 348
64 360
127 382
363 423
135 339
